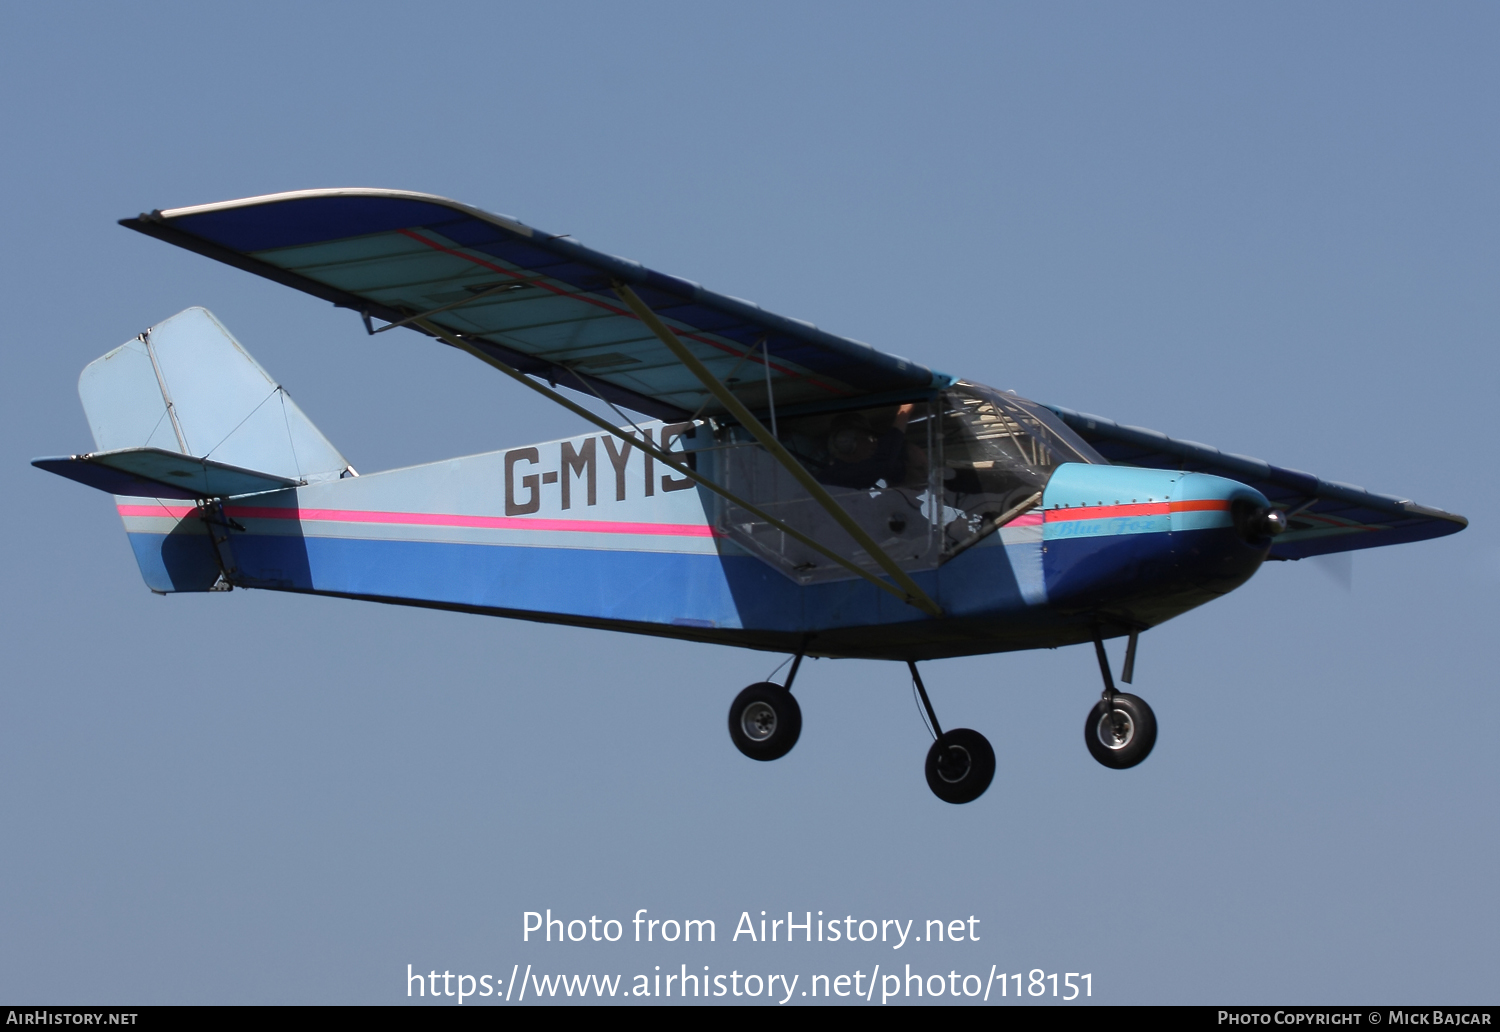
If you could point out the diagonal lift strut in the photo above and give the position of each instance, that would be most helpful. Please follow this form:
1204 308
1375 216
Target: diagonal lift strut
914 595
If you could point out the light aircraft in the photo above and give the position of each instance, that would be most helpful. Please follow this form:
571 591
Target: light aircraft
788 489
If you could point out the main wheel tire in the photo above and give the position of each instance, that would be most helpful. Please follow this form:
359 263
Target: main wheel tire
765 721
960 766
1121 736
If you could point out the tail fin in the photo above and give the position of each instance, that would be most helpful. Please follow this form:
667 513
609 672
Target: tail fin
184 412
186 385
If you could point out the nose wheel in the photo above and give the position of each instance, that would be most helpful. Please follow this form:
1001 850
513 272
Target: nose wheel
1121 729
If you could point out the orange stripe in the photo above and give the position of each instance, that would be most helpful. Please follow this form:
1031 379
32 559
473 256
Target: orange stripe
1105 512
1202 505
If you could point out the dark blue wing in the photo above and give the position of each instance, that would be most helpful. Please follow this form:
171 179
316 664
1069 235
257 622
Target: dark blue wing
543 303
1325 516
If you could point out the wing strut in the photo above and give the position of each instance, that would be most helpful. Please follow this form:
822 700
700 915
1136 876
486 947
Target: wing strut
914 595
664 457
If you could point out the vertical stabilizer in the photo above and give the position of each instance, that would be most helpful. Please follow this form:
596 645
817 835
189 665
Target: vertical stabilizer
187 385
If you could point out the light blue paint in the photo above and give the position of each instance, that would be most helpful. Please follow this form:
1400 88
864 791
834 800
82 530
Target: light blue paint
1026 566
1074 484
226 407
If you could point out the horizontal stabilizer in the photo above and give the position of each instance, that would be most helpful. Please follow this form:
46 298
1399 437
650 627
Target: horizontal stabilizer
155 473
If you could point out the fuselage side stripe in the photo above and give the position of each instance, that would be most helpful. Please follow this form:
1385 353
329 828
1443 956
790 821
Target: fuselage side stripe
428 519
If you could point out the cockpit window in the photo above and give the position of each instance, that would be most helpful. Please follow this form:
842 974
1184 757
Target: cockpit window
883 447
926 479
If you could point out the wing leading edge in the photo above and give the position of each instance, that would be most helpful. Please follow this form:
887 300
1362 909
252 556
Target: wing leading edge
1325 516
542 303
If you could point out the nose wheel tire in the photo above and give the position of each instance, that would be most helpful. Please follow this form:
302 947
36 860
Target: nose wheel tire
960 766
1120 735
764 721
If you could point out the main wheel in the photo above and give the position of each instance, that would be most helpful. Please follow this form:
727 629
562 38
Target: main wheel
764 721
1120 736
960 766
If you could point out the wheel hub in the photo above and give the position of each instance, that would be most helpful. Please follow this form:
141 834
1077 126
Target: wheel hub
954 763
758 721
1115 729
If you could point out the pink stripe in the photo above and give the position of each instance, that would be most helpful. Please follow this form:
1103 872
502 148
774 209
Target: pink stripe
1028 519
425 519
175 512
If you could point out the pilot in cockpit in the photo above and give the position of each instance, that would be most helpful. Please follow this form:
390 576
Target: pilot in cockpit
861 457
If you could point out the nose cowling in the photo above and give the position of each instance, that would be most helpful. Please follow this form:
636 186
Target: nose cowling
1149 543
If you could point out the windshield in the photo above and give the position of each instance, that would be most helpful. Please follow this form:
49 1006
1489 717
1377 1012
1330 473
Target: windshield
998 451
998 443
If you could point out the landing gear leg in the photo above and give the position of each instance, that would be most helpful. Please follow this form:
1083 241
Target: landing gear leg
1128 673
1121 729
765 720
960 764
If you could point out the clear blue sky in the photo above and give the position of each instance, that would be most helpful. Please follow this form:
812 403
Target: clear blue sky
1268 227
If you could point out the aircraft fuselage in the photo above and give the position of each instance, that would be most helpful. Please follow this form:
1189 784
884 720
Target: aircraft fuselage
588 531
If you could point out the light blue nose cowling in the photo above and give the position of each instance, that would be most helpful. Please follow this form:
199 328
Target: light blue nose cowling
1143 545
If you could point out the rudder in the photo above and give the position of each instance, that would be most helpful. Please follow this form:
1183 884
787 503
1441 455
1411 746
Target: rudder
187 387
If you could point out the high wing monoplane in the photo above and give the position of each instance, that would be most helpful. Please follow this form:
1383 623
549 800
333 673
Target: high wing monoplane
774 486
